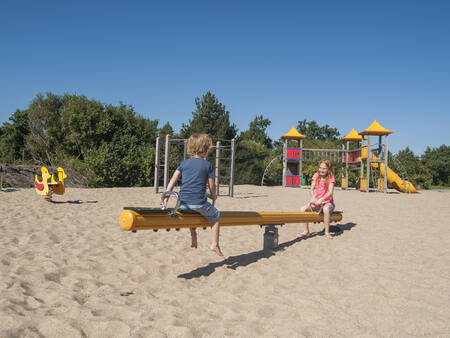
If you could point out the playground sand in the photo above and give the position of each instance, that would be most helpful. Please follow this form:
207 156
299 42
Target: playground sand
68 270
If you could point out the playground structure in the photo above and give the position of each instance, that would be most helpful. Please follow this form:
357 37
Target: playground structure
223 153
373 157
135 218
352 158
45 188
369 154
294 157
369 159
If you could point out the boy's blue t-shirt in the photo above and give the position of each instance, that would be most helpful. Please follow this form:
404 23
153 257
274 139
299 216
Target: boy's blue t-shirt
194 177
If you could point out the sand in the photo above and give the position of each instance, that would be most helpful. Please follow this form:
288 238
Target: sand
68 270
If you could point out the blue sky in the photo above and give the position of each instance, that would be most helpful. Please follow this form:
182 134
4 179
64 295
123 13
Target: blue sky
341 63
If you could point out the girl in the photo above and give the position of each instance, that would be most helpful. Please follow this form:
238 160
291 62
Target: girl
323 182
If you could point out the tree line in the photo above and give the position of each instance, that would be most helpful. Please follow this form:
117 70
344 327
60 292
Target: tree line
115 146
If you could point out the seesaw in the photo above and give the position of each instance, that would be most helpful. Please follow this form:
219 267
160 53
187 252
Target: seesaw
136 219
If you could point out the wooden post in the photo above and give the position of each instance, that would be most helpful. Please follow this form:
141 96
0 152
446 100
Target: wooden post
284 161
379 164
217 179
344 159
379 144
386 154
166 162
361 162
184 149
346 166
301 162
1 176
156 181
233 149
368 163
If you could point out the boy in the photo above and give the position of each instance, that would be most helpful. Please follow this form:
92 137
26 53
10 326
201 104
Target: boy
195 173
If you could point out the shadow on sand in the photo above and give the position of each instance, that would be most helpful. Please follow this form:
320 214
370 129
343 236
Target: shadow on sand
246 195
73 202
253 196
9 190
233 262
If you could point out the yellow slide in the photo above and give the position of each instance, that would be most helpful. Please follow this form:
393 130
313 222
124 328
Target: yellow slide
393 179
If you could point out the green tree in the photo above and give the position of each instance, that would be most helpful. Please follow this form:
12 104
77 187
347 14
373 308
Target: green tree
113 145
13 138
257 131
165 130
275 170
123 142
417 172
250 161
437 160
86 124
210 117
121 163
313 131
46 137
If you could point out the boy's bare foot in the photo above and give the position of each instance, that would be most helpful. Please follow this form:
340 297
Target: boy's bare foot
303 234
194 242
216 249
328 236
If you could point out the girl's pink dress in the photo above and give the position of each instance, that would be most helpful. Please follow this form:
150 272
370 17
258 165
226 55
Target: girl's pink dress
321 189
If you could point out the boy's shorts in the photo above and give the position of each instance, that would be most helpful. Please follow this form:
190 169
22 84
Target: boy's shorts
207 210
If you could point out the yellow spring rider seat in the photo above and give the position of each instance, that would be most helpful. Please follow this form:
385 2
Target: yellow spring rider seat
45 188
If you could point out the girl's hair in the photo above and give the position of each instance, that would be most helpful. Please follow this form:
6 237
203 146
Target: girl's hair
329 165
198 144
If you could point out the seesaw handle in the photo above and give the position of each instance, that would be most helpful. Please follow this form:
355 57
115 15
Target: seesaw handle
210 197
177 205
167 194
318 212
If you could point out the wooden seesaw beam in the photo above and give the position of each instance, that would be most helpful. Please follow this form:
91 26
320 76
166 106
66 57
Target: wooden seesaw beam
134 219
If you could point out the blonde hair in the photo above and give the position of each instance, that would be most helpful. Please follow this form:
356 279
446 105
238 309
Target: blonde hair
329 165
198 144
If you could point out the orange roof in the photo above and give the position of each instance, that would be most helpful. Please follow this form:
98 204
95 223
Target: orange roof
352 136
293 135
376 129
